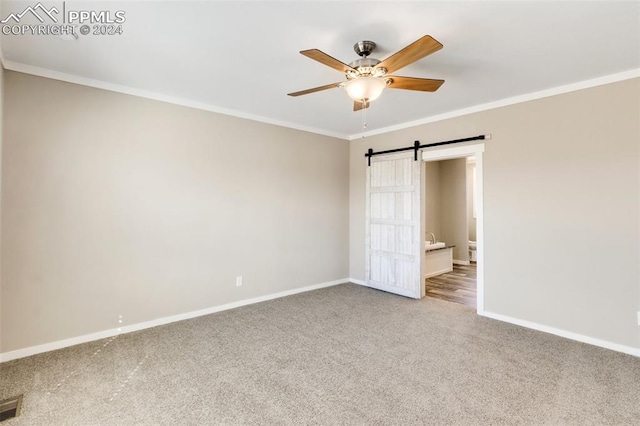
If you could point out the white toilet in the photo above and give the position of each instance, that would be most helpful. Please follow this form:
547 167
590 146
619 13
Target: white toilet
472 251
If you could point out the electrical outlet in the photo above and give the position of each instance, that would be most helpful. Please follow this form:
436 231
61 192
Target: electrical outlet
239 281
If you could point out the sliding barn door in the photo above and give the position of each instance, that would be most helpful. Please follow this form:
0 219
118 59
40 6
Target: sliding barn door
394 231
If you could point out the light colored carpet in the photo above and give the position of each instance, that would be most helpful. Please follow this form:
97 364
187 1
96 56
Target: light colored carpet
342 355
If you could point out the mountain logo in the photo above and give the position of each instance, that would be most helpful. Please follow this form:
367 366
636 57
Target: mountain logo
34 11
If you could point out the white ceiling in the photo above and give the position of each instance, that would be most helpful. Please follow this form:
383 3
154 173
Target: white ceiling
242 57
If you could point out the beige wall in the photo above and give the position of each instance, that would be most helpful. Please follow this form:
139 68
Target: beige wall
116 205
453 207
561 210
1 149
432 199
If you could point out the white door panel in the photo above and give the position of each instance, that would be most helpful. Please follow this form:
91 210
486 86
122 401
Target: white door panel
394 229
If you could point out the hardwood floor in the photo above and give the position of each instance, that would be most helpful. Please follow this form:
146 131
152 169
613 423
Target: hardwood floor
457 286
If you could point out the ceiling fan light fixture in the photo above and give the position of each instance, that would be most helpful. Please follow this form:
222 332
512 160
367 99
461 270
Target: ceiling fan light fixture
365 88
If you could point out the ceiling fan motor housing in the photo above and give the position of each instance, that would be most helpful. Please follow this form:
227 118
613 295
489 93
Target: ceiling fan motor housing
365 67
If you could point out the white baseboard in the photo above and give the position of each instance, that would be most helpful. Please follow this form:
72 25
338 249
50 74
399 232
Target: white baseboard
461 262
566 334
33 350
551 330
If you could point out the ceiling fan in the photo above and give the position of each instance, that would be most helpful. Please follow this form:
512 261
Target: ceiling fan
367 77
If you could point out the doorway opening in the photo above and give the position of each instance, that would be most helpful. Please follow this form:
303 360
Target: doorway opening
459 285
452 219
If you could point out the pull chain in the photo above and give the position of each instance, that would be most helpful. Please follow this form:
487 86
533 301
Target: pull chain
364 117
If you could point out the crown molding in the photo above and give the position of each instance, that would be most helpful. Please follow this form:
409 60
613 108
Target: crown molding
98 84
72 78
612 78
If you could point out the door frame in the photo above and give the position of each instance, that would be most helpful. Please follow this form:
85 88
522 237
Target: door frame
464 151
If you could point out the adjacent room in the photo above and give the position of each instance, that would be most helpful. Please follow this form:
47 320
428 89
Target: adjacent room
450 216
356 212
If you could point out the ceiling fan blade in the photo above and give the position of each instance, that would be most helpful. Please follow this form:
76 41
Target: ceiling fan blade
323 58
357 106
412 83
417 50
316 89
